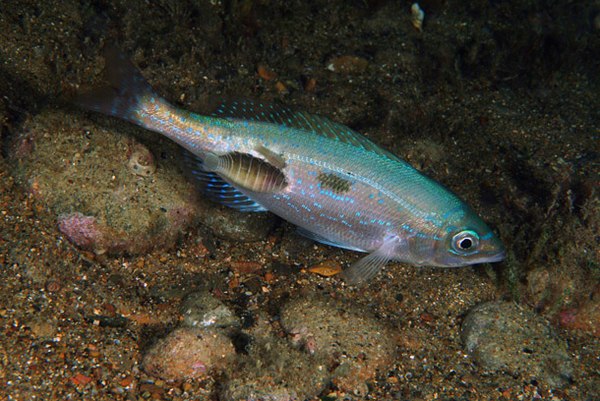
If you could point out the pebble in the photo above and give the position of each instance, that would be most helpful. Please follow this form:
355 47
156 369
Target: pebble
347 65
505 337
80 379
43 327
417 16
202 309
310 85
189 353
281 88
245 266
265 73
327 268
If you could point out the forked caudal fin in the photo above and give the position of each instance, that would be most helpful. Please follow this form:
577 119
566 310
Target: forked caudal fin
125 92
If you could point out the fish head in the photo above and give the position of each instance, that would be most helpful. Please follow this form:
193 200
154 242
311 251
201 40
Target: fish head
465 239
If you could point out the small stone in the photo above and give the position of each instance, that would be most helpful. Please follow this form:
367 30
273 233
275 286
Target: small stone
503 336
83 231
126 381
202 309
347 64
417 16
189 353
52 286
310 85
269 277
265 73
80 379
245 266
326 268
150 390
281 88
585 317
92 351
43 327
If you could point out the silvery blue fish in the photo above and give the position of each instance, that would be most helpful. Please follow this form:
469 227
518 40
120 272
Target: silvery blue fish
337 186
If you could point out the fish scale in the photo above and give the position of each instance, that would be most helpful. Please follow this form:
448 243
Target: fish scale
339 187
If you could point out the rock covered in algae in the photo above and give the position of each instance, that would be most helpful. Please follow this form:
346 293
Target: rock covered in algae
189 353
106 189
502 336
354 344
274 371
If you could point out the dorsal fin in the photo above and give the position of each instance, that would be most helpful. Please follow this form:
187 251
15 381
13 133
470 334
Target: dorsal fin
277 114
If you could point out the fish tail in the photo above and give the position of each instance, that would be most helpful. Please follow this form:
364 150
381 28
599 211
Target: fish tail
126 94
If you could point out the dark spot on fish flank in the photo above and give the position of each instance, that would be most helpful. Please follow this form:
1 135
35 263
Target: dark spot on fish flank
333 182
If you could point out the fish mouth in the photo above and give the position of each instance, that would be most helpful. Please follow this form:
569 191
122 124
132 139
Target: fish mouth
497 257
491 257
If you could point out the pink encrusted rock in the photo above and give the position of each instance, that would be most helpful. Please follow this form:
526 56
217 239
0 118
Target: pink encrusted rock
80 229
584 317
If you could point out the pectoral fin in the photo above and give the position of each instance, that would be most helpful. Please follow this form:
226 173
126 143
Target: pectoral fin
215 188
246 171
366 268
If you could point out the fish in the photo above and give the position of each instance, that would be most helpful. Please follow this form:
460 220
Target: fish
337 186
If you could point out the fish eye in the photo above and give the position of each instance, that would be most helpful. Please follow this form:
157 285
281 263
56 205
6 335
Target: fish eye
465 241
